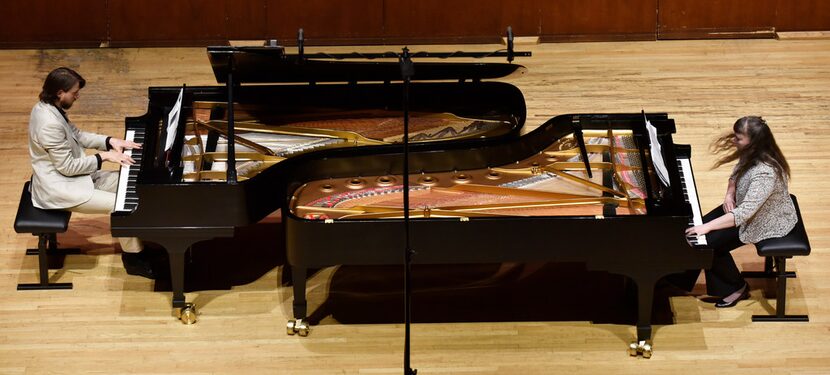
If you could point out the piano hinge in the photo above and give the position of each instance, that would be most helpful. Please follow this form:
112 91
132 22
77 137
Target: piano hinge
328 221
599 217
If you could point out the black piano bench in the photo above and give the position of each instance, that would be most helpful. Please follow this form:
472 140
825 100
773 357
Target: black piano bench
45 224
776 251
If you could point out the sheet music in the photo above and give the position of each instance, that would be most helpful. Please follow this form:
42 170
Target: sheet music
173 122
657 154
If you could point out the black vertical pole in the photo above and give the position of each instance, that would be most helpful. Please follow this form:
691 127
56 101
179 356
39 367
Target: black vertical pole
583 151
300 44
407 70
231 176
43 243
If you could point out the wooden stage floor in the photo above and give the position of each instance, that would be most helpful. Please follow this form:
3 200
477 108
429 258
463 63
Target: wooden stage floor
539 319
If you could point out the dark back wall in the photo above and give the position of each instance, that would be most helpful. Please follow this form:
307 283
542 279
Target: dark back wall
118 23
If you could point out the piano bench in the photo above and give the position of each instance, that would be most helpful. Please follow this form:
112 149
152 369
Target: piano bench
776 251
45 224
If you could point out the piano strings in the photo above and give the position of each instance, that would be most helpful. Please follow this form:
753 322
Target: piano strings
552 183
265 139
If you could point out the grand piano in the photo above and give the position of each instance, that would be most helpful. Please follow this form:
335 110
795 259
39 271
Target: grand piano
588 188
217 163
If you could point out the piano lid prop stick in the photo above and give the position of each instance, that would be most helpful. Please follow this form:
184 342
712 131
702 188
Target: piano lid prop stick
582 150
231 172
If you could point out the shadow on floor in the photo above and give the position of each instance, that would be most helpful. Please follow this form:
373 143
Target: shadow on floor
223 263
442 293
485 293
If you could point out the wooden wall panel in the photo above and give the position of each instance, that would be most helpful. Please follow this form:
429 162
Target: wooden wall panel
716 18
803 15
163 22
246 19
44 23
324 21
564 20
459 20
85 23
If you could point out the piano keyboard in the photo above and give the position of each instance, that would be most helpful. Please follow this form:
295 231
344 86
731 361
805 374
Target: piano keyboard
126 199
690 195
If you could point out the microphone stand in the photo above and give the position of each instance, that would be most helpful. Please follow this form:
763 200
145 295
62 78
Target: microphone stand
231 162
407 71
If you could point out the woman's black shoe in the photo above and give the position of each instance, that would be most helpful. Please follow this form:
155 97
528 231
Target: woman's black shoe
723 304
135 264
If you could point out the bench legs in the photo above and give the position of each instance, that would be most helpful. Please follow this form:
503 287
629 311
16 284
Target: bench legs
46 241
776 267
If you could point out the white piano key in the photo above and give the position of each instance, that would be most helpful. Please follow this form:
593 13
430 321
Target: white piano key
690 191
125 196
121 193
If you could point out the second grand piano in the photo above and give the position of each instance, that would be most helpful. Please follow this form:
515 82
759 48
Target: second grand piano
580 188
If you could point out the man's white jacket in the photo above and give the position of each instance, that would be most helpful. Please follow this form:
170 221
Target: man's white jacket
60 168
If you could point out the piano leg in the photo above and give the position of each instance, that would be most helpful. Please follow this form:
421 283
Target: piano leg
298 324
645 302
176 248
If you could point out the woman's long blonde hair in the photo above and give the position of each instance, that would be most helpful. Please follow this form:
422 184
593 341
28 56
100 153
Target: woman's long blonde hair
761 148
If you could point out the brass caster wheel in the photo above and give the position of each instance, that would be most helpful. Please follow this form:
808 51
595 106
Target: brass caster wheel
632 349
297 326
187 314
640 347
647 350
302 328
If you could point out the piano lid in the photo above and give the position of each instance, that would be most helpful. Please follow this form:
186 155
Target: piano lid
274 65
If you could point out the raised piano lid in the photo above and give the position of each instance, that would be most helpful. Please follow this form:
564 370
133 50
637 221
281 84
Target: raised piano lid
274 65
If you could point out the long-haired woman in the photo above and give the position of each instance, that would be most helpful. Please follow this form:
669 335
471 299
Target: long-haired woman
757 205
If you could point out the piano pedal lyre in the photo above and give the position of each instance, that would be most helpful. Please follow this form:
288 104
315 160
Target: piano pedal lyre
187 314
297 326
640 347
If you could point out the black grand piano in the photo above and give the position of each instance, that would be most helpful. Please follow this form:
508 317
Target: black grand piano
218 165
580 188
